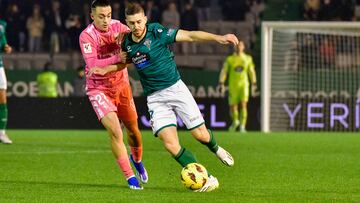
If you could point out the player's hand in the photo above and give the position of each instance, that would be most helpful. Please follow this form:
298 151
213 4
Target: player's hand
229 38
222 88
97 71
123 56
254 90
7 49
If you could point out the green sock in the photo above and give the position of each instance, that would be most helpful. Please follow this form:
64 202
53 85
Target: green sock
212 144
185 157
3 116
235 117
243 117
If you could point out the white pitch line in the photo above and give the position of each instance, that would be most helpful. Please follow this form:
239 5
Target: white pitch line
59 152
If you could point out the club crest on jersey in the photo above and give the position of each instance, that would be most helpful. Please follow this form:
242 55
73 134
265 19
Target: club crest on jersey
160 30
147 43
170 32
87 48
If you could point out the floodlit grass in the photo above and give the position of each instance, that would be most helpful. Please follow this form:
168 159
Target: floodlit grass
77 166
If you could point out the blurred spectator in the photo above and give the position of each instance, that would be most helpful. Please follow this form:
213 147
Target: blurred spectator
152 11
16 27
47 82
330 10
203 9
79 83
171 17
327 53
35 26
74 26
348 10
234 10
85 14
189 21
118 12
311 10
55 21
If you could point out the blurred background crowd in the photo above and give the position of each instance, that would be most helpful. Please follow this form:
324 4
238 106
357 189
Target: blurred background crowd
53 27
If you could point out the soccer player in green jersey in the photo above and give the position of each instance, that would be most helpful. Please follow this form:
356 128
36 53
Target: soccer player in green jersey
4 48
238 66
167 96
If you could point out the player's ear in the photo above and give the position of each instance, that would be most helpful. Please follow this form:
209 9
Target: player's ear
145 19
92 14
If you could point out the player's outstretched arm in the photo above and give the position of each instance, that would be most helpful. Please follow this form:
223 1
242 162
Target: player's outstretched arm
223 76
107 69
201 36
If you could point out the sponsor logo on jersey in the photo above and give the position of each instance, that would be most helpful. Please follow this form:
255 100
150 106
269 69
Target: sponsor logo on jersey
87 48
239 69
140 60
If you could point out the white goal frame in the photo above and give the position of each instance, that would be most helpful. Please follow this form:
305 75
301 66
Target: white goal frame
266 53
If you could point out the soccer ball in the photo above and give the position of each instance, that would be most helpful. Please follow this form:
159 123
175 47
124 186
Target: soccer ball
194 176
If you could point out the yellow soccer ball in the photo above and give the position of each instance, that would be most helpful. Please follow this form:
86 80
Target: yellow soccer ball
194 176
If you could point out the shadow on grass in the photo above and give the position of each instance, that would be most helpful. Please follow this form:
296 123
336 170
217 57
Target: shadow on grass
49 184
60 184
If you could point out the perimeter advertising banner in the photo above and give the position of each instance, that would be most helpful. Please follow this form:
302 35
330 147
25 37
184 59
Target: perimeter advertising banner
76 112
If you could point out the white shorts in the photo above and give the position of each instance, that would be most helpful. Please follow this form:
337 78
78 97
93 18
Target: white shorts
3 81
176 100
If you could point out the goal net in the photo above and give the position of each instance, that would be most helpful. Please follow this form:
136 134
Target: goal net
310 76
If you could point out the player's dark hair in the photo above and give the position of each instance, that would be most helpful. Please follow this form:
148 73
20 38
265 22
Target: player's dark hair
133 8
100 3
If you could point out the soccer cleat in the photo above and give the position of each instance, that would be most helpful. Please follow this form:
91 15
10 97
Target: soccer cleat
225 156
134 183
234 126
5 139
211 184
242 129
140 170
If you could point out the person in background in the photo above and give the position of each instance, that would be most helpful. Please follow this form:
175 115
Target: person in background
238 67
189 21
79 83
47 82
7 49
35 25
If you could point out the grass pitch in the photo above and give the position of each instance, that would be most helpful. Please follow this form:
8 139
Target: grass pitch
77 166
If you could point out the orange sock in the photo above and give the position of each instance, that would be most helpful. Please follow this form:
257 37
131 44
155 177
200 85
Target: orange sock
125 167
136 153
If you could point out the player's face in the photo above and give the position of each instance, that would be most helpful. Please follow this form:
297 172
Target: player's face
101 17
137 24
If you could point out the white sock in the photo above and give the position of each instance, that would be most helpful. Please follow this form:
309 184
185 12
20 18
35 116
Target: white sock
2 132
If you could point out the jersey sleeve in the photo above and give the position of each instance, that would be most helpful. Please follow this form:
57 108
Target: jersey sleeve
124 29
88 48
3 40
166 35
251 64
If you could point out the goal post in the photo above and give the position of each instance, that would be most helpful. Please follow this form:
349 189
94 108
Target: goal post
310 76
